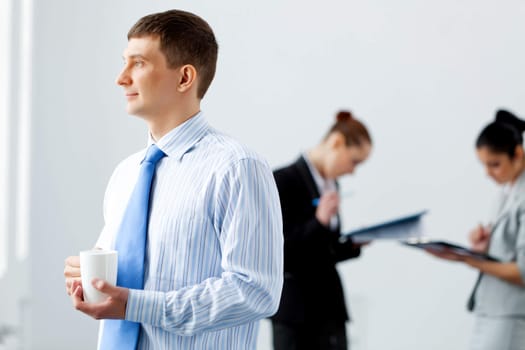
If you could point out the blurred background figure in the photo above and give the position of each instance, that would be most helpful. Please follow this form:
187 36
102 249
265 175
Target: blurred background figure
312 313
498 298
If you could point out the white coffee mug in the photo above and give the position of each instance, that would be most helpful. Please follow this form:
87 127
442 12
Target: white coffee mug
100 264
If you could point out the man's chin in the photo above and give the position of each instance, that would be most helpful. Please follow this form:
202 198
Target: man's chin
134 111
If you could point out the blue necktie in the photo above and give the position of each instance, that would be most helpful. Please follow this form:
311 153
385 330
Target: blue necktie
131 245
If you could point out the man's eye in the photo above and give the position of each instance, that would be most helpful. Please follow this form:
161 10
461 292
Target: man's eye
138 64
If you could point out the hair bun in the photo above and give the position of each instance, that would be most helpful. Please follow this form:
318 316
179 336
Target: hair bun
343 116
505 117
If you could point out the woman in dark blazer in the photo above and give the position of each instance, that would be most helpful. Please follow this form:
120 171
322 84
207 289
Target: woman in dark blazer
312 313
498 298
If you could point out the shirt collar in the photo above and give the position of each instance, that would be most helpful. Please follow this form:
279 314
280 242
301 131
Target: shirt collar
183 138
321 182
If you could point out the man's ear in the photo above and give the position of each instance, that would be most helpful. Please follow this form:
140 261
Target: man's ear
188 78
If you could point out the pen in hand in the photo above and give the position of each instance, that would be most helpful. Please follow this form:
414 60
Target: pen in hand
479 238
315 201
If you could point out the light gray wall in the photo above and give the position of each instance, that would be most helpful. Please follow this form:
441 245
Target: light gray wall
424 76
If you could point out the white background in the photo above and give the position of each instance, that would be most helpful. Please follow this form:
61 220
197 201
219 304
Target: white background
424 76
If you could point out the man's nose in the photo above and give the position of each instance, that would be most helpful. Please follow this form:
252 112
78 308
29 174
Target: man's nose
123 78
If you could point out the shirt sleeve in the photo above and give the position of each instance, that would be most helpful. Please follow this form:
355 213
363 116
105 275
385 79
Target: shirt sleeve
249 216
520 240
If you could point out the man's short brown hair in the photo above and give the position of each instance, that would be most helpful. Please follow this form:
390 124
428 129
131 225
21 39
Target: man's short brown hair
184 39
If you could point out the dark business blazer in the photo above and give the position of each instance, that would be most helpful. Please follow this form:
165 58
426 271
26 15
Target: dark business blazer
312 290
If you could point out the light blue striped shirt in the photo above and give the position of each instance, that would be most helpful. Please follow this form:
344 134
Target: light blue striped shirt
214 256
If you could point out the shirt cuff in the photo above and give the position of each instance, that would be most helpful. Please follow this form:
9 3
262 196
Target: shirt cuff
145 307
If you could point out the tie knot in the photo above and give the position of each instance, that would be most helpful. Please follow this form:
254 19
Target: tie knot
154 154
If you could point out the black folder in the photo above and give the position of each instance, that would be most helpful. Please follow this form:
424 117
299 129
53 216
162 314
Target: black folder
445 246
399 228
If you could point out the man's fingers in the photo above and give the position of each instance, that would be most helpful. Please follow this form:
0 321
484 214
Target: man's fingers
71 271
72 261
95 310
69 284
104 287
78 301
75 283
76 295
80 305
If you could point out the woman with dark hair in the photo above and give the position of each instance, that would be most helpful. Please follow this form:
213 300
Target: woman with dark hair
498 298
312 312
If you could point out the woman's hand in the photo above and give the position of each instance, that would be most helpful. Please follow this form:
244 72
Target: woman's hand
328 206
479 239
446 254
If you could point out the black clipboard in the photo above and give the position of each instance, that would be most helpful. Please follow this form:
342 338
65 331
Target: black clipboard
445 246
398 228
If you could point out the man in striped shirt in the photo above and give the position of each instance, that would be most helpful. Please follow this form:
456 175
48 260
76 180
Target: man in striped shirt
213 260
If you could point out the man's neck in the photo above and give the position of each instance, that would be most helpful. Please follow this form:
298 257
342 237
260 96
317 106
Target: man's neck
161 125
